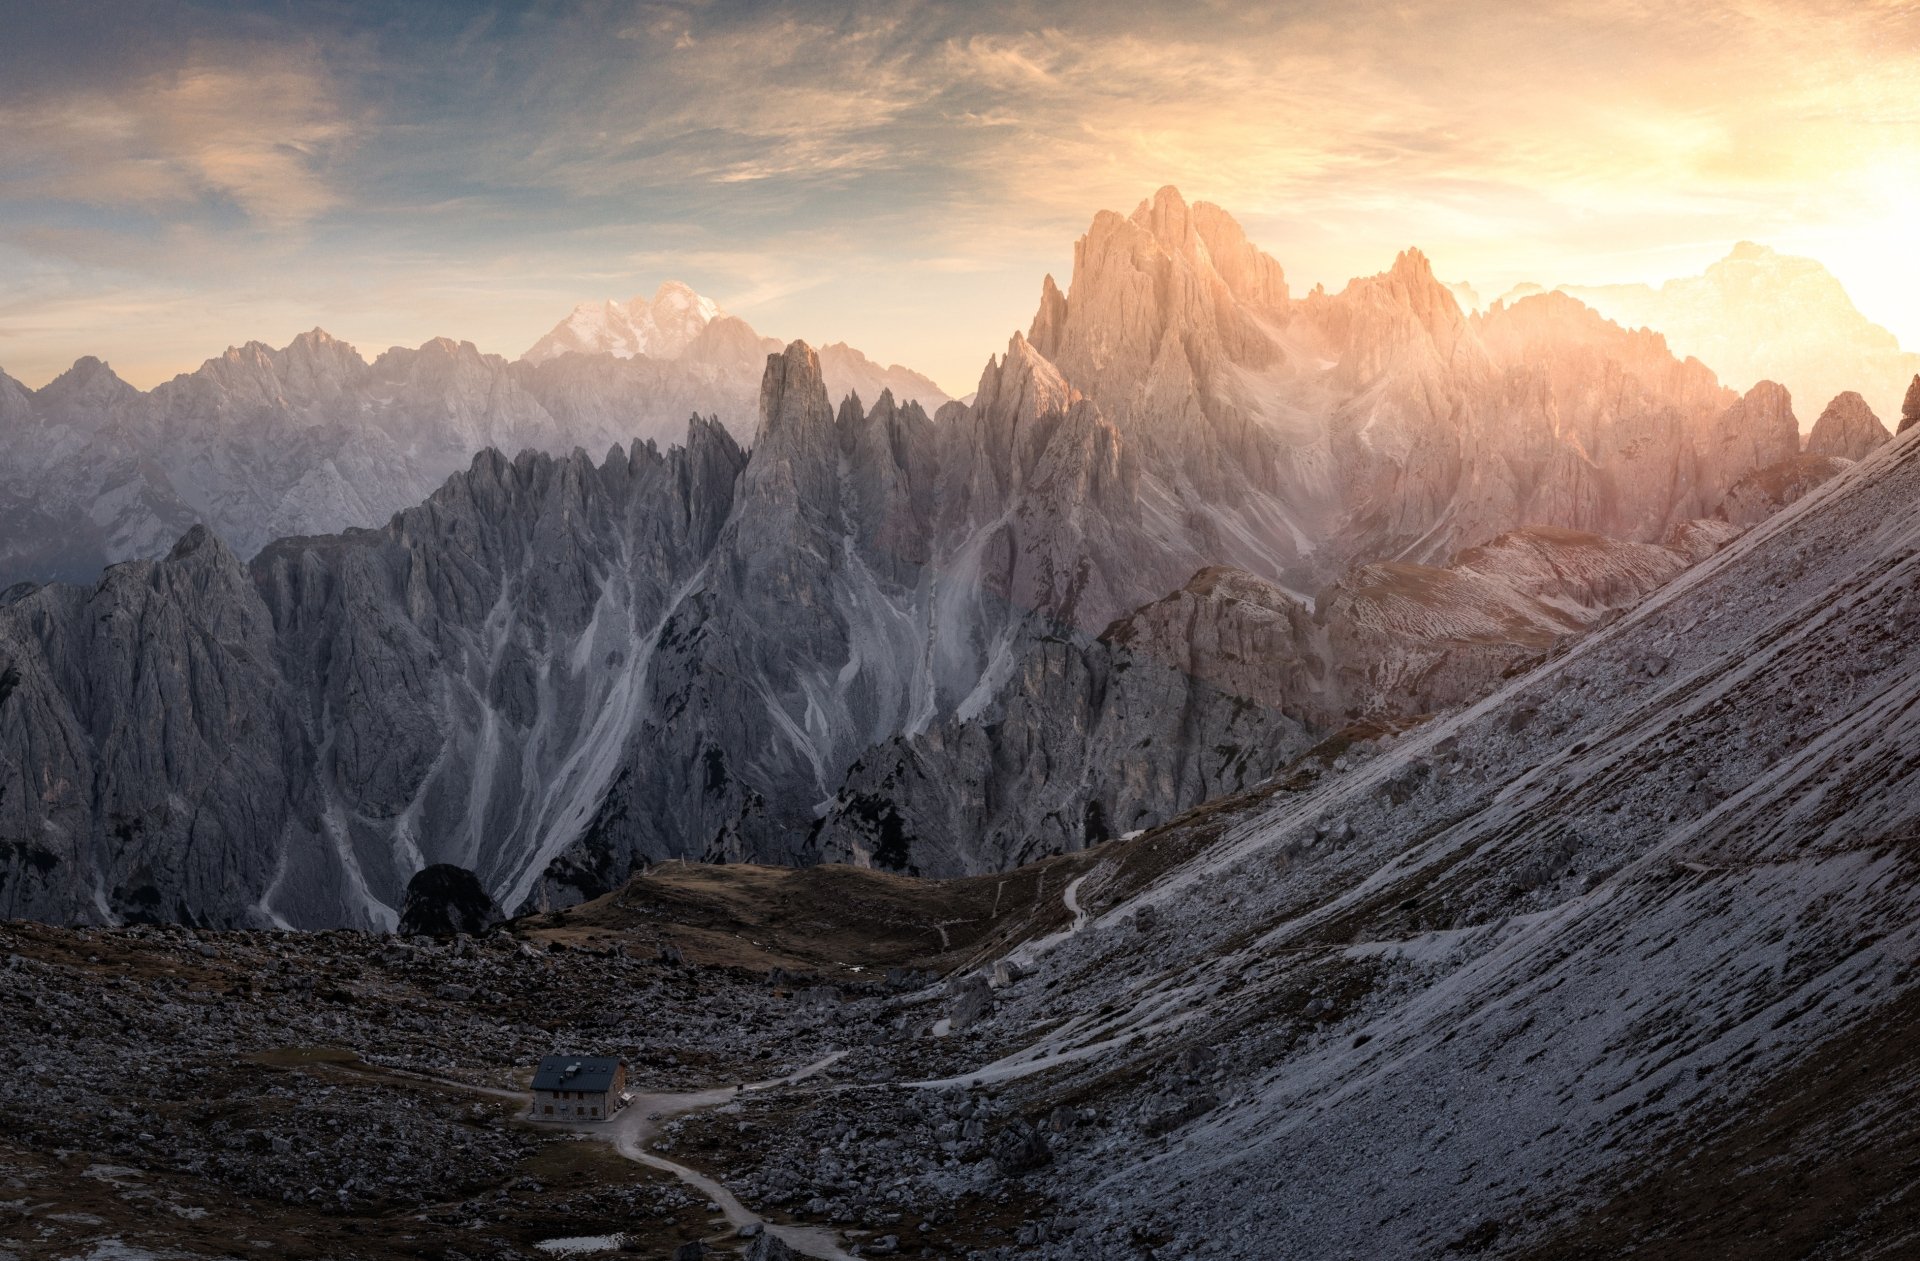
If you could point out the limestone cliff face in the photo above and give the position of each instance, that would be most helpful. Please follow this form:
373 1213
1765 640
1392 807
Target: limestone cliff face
1213 689
1607 437
1184 699
556 667
1168 306
1755 432
146 743
1380 421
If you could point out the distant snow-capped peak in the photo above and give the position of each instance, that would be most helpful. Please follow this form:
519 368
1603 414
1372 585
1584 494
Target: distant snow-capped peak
662 327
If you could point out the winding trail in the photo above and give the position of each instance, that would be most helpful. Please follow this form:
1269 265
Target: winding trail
1069 898
630 1130
633 1125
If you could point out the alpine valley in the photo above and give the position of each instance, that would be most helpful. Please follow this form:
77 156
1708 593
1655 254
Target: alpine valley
1271 774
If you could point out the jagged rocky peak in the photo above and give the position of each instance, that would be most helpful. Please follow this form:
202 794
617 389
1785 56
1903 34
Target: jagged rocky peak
315 367
1172 293
89 372
791 487
1020 386
1404 312
1050 320
1017 392
1758 430
1401 339
1910 410
317 364
203 564
793 394
1583 354
1205 234
87 391
321 350
1515 328
1847 429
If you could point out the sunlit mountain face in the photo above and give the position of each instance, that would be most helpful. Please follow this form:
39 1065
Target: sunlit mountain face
965 631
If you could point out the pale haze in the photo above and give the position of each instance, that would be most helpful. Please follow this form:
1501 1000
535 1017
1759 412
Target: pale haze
178 178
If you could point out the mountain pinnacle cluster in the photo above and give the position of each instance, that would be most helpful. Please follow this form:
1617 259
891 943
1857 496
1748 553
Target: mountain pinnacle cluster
1191 525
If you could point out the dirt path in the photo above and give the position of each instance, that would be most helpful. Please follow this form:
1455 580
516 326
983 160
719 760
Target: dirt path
630 1129
497 1092
1069 898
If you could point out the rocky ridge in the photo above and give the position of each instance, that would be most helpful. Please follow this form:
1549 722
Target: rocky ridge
556 669
261 443
1216 689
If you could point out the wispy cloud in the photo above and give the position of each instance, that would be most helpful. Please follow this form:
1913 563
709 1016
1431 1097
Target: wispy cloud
258 136
898 172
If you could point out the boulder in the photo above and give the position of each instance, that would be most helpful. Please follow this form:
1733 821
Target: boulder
770 1247
972 1003
1020 1148
444 899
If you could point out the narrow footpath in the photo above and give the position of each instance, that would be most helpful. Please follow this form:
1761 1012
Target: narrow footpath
632 1127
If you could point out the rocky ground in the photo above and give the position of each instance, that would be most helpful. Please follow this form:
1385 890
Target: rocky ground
198 1093
174 1092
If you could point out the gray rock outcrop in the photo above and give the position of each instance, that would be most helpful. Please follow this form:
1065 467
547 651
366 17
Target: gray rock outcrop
1213 689
1765 491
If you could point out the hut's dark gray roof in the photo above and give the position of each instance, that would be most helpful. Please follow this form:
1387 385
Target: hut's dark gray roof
575 1072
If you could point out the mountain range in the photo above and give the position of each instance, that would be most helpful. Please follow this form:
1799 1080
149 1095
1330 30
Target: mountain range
1190 526
262 443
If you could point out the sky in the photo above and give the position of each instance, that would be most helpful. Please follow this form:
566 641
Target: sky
180 177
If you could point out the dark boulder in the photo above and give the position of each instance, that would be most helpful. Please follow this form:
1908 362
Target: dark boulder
1020 1148
444 899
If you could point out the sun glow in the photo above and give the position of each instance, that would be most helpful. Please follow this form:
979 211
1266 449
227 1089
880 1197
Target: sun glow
894 176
